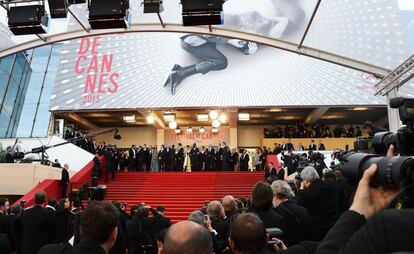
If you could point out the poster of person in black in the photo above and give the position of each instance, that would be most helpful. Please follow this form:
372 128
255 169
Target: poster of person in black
210 159
179 158
162 156
194 152
204 47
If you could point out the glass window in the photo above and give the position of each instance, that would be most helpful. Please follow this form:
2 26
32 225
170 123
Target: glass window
42 121
40 59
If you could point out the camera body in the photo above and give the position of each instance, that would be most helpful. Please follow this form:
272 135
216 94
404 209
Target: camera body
393 172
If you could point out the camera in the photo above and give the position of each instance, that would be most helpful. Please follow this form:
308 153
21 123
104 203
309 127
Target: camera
393 172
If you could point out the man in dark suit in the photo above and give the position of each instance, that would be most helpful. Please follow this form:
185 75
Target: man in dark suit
321 201
219 158
162 158
147 158
64 180
194 152
51 206
38 226
321 146
132 159
271 171
210 158
226 157
277 149
312 146
244 161
5 224
171 158
179 158
264 157
109 164
217 215
288 146
140 159
17 226
297 221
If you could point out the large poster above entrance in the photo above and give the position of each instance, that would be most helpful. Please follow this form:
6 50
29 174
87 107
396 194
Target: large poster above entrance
208 138
169 70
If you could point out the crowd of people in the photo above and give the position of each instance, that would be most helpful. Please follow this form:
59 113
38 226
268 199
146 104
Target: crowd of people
310 214
302 130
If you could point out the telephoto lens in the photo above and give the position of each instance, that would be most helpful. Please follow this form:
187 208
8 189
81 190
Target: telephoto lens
393 172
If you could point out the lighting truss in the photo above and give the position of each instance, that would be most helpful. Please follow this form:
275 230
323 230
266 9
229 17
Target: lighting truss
401 75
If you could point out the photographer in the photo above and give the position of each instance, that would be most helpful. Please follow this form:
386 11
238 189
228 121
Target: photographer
321 201
366 228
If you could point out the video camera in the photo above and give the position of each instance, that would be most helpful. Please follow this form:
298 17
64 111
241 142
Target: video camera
393 172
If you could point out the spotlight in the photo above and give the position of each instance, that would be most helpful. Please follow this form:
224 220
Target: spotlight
150 119
153 6
202 12
104 14
215 130
30 19
202 130
213 115
244 116
202 117
169 116
189 129
223 117
58 8
216 123
172 125
130 119
177 130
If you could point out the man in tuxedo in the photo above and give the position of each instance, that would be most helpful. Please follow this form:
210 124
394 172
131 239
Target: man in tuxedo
210 157
140 159
5 224
179 158
219 158
321 146
64 180
264 157
276 149
9 156
132 158
162 156
147 158
288 146
312 146
244 161
161 222
171 158
202 159
38 226
194 152
101 148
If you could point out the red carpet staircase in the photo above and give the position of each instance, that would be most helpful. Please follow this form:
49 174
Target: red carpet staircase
180 193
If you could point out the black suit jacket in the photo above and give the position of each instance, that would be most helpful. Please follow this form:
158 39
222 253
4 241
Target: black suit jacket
38 229
269 217
61 223
244 162
390 231
312 147
321 201
161 222
297 222
17 226
6 228
65 177
4 244
85 247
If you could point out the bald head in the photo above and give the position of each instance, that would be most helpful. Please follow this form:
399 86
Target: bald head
247 234
188 237
215 209
229 204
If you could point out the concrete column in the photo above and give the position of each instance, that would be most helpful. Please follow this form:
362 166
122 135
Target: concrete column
233 137
160 137
393 115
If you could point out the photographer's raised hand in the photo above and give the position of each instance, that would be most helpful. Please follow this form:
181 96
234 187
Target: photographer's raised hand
369 200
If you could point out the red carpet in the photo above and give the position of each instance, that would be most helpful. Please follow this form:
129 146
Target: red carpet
180 193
